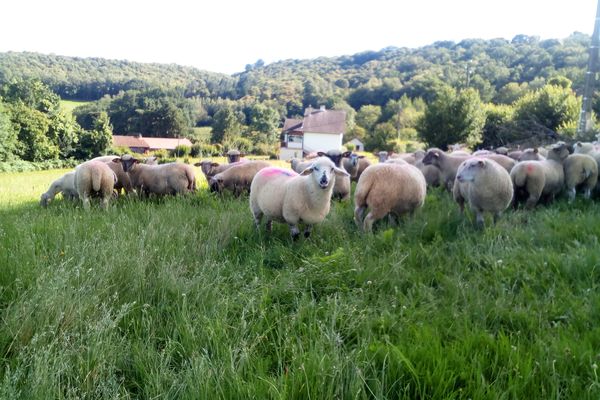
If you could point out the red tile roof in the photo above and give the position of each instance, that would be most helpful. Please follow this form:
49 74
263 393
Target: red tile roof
317 121
150 143
129 141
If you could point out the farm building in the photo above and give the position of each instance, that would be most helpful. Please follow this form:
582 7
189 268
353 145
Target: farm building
358 144
139 144
319 130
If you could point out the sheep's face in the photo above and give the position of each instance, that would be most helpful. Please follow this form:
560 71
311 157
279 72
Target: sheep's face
559 151
216 184
383 156
127 162
432 157
470 169
44 200
323 172
580 147
207 166
335 156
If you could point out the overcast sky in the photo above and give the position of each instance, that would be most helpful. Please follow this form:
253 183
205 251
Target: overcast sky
225 35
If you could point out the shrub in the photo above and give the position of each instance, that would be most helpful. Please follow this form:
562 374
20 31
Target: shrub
181 151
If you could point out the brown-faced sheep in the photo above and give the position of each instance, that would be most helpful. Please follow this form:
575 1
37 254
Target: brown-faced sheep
238 178
342 187
394 187
536 180
94 178
485 185
285 196
162 179
447 163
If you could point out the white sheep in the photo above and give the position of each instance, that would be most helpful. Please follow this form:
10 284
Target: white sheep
485 185
285 196
536 179
447 163
65 185
394 187
171 178
237 178
94 178
581 171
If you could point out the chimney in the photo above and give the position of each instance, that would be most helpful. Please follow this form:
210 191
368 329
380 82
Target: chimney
322 108
308 110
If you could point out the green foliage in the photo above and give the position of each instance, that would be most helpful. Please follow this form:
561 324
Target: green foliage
551 106
498 120
454 117
368 116
64 131
382 137
182 151
8 135
98 140
32 127
226 125
32 93
244 145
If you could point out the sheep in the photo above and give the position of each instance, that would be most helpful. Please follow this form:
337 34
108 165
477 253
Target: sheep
285 196
210 168
233 156
539 179
123 181
171 178
342 187
363 164
447 163
433 175
300 165
530 155
394 187
515 154
581 170
382 156
587 148
482 152
502 150
65 185
94 178
505 162
351 165
485 185
237 178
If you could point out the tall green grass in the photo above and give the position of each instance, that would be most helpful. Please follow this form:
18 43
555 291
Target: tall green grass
182 298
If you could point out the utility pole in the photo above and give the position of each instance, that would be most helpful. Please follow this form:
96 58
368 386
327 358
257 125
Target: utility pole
585 117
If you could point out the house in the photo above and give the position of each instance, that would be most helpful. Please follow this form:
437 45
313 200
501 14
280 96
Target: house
358 145
319 130
139 144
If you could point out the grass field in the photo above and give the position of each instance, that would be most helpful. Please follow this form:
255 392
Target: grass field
70 105
181 298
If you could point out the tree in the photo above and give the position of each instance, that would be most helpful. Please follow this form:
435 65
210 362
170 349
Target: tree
32 127
64 132
498 119
382 137
8 135
265 121
368 116
454 117
96 141
226 125
551 106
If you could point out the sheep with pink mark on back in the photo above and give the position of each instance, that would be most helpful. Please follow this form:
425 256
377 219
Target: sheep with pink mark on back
285 196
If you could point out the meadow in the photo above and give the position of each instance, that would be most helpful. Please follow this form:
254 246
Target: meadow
182 298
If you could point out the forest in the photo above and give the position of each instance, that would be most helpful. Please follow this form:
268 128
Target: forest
484 93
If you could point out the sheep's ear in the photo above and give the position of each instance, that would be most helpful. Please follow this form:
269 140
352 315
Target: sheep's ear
346 154
214 164
307 171
535 150
136 161
198 164
481 163
321 154
360 156
116 160
340 172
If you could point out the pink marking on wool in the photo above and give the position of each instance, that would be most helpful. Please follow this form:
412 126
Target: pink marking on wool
274 171
529 168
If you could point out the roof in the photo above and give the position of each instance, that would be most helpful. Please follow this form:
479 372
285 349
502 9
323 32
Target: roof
129 141
356 141
149 142
166 143
325 121
292 124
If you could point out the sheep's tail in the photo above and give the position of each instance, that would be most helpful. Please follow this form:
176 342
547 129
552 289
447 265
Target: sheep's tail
96 180
520 180
362 191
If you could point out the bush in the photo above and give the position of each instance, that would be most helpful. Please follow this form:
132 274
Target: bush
26 166
160 154
181 151
196 150
166 160
119 150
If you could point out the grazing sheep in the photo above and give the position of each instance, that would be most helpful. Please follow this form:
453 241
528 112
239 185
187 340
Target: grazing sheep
394 187
543 179
581 171
482 153
342 187
432 174
363 164
485 185
210 169
234 156
65 185
171 178
94 178
123 181
447 163
502 150
285 196
237 178
515 155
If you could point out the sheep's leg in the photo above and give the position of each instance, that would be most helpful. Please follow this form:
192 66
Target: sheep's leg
307 230
368 223
257 218
294 231
480 220
531 202
497 216
105 201
86 201
269 225
571 194
359 213
587 193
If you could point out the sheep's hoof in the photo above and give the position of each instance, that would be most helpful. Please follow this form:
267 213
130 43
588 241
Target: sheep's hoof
295 236
306 234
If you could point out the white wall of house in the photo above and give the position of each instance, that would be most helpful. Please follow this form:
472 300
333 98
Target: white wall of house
322 141
288 154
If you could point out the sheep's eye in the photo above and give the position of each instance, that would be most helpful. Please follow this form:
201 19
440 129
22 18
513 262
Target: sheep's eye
316 168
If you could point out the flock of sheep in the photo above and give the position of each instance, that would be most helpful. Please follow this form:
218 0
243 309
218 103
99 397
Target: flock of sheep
488 181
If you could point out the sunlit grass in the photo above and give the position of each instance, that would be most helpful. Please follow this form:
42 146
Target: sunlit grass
182 298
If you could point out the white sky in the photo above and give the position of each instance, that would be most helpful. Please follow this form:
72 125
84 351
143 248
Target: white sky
225 35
